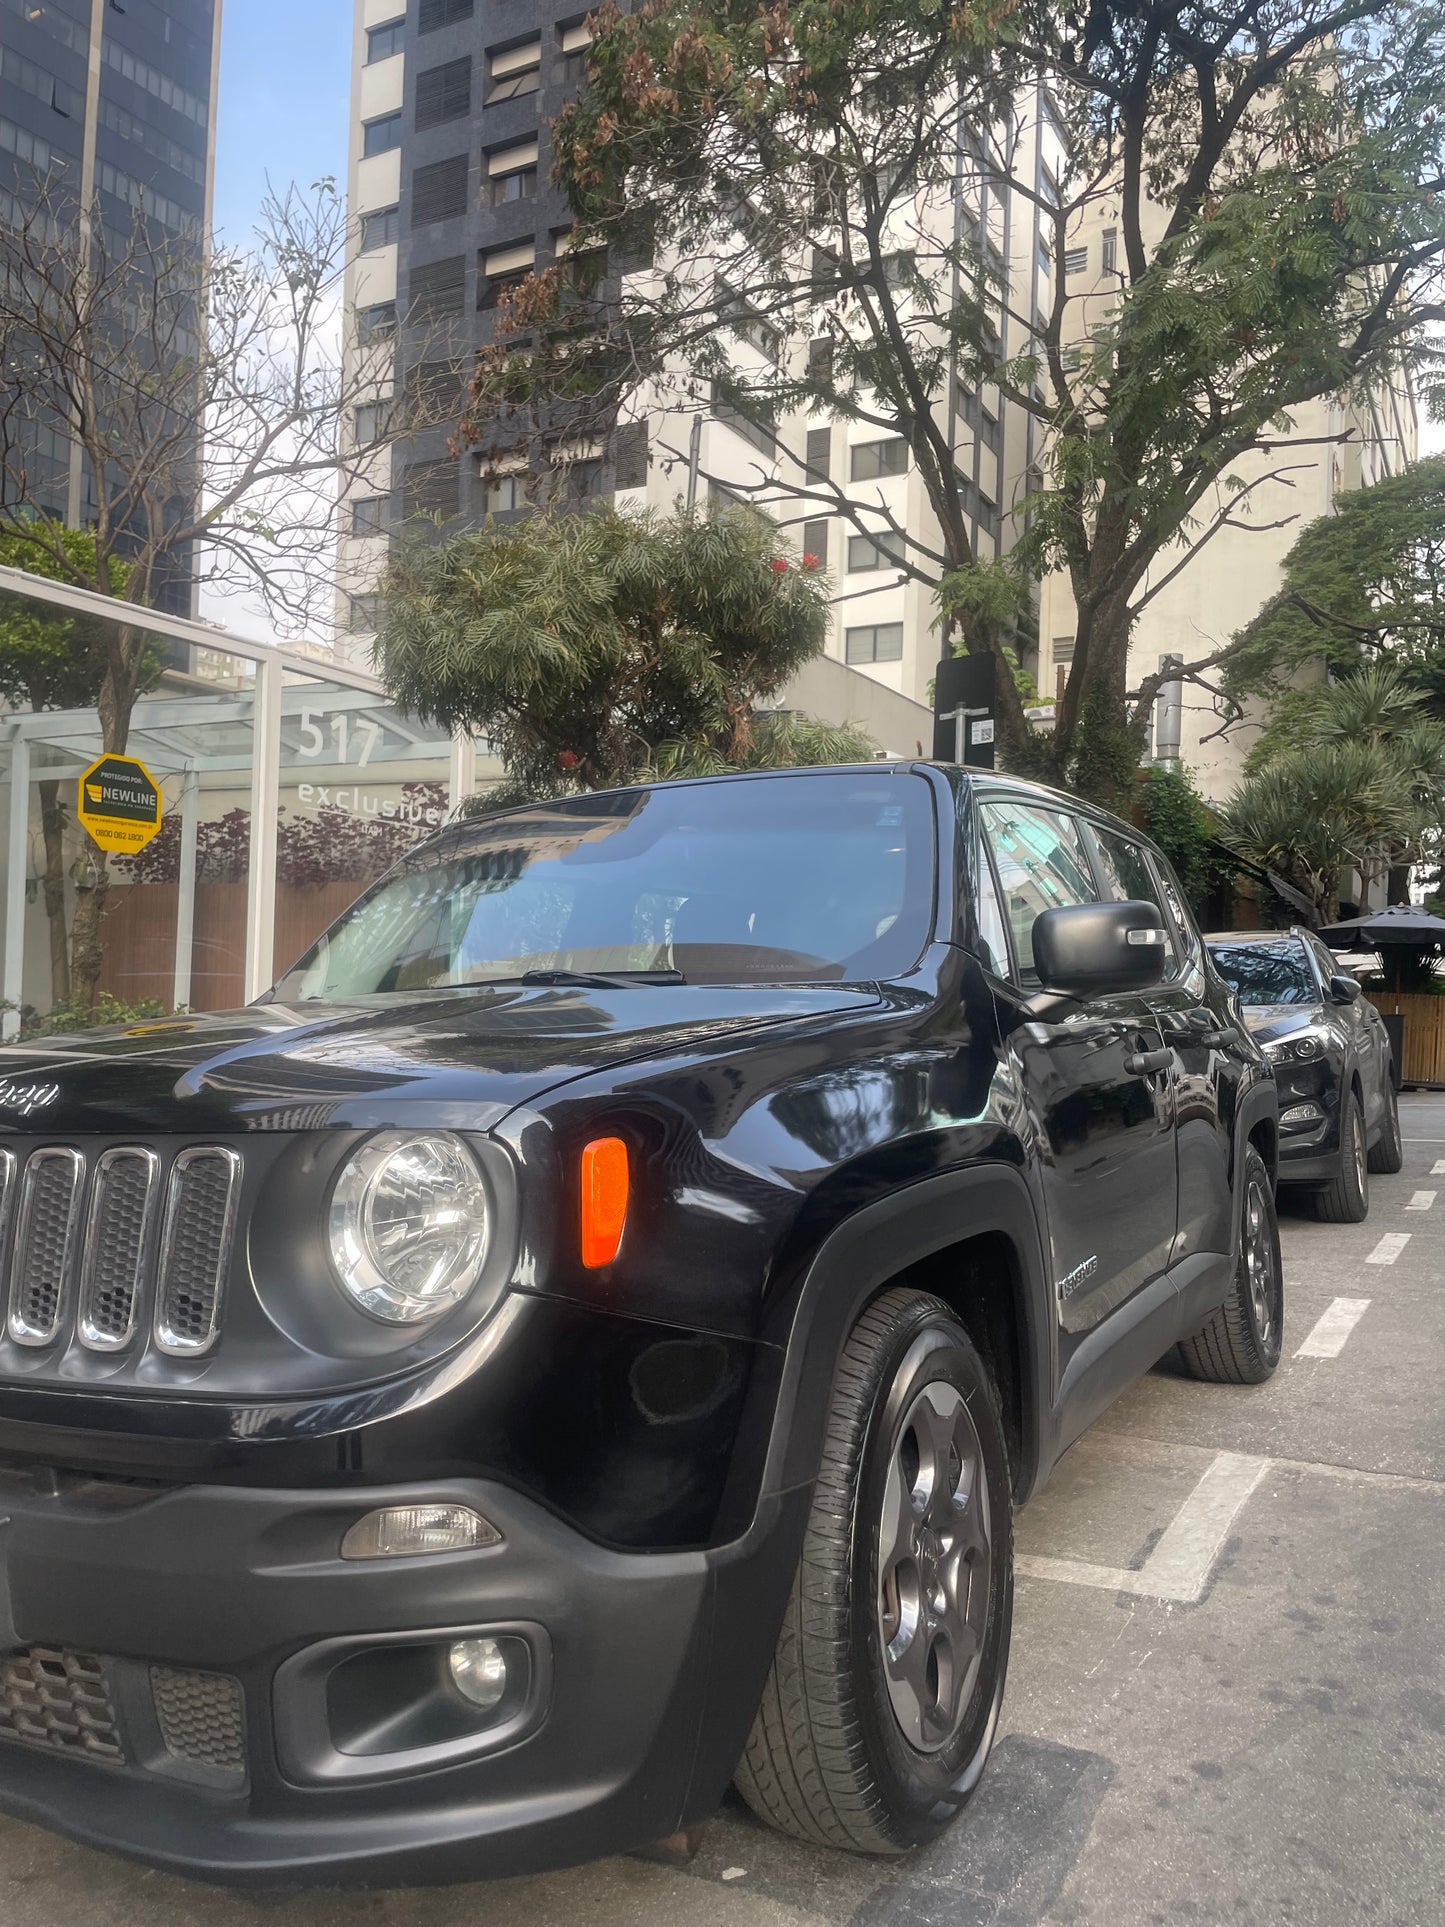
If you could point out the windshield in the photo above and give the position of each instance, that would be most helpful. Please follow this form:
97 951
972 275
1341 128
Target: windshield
768 879
1268 973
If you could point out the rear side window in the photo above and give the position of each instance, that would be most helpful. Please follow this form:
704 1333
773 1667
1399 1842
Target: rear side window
1129 878
992 935
1041 866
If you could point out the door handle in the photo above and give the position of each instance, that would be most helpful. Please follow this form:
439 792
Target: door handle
1143 1063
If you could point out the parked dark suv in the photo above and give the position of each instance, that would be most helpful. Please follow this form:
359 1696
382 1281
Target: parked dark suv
580 1339
1339 1118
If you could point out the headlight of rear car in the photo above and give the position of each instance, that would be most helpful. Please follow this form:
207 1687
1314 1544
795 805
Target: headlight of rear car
409 1225
1295 1050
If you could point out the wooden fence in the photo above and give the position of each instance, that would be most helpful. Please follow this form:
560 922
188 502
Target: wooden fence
1423 1059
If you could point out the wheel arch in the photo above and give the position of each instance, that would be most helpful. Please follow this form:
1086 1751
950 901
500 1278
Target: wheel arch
971 1238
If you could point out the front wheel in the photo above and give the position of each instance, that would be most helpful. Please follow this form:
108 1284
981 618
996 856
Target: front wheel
886 1686
1389 1153
1240 1343
1346 1198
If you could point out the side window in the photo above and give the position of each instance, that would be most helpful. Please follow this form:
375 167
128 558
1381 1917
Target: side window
1128 877
993 937
1041 866
1183 916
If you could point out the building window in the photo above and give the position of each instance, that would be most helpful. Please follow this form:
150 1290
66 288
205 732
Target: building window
501 494
384 41
444 93
380 136
438 289
820 359
513 71
1076 260
575 42
819 454
815 540
380 228
877 642
758 427
371 515
442 13
630 456
867 552
517 184
504 268
430 489
1109 254
870 461
439 192
987 514
364 614
376 323
899 269
369 422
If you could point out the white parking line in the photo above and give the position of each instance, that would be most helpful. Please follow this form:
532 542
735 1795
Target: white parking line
1389 1248
1178 1568
1421 1201
1437 1169
1333 1327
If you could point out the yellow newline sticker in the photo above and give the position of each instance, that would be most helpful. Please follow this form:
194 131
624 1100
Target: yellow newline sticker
119 802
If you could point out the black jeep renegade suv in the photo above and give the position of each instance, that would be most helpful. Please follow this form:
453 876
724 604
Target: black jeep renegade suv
581 1337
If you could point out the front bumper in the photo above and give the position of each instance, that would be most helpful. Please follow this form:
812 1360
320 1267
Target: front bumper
646 1670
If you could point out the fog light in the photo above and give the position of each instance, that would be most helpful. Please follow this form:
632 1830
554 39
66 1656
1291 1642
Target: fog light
1301 1114
404 1531
479 1671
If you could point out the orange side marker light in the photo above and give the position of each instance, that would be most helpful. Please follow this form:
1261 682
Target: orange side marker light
606 1186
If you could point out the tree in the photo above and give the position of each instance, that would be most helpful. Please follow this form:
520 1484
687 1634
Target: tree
604 648
806 176
1361 584
48 660
201 396
1351 777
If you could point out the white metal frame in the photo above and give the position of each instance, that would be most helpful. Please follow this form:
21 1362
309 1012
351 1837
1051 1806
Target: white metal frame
273 663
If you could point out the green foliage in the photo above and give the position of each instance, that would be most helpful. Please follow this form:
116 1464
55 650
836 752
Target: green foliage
48 659
1353 775
596 649
78 1014
1175 816
1368 578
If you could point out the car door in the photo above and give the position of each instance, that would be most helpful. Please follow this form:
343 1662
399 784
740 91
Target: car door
1090 1086
1365 1028
1199 1031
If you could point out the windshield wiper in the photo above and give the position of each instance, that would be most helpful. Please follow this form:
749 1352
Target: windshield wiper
603 979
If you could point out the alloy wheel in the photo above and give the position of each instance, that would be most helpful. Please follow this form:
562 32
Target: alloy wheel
935 1560
1260 1263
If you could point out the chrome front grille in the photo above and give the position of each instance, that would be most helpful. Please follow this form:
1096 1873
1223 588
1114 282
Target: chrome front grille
117 1238
86 1258
48 1221
196 1247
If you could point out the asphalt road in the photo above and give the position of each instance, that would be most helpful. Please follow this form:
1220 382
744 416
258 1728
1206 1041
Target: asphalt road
1227 1697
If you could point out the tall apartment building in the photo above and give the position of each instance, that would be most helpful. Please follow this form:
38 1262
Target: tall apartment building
450 196
111 106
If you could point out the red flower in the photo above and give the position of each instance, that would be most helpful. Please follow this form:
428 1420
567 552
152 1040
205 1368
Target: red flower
810 561
779 565
567 758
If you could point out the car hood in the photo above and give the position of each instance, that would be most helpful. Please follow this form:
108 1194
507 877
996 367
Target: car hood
1269 1022
457 1058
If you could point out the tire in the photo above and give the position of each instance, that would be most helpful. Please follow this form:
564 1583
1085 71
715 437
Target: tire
1388 1156
1346 1198
1240 1344
831 1758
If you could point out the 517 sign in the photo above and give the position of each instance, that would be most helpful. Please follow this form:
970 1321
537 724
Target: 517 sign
353 739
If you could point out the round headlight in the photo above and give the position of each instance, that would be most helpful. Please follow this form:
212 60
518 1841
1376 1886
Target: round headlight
409 1224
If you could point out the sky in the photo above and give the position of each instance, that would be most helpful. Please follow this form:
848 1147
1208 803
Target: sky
283 107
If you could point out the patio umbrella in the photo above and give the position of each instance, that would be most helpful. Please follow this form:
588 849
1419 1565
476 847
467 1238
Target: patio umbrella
1404 926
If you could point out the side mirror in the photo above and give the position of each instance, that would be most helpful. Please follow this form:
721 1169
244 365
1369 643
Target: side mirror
1344 990
1100 949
